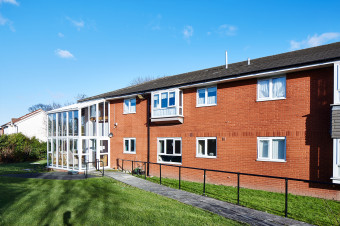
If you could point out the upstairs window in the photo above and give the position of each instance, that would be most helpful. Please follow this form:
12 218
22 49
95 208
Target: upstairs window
271 88
271 149
207 96
167 103
130 145
130 106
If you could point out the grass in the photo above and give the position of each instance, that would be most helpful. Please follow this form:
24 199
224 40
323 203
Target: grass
303 208
95 201
18 168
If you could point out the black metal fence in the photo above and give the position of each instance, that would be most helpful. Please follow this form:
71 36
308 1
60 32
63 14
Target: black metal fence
97 166
286 179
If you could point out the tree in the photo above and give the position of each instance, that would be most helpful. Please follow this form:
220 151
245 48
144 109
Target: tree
80 96
141 79
45 107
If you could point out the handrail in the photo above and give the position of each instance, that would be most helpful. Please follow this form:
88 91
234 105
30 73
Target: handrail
286 179
97 167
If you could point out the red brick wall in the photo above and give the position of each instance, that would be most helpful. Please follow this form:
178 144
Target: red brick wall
237 120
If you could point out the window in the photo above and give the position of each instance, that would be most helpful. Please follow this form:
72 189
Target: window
207 96
271 88
130 145
169 150
206 147
271 149
166 103
130 106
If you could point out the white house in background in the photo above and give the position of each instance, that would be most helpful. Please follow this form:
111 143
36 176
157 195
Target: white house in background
31 125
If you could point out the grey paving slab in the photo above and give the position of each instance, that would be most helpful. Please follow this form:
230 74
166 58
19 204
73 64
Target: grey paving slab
51 175
228 210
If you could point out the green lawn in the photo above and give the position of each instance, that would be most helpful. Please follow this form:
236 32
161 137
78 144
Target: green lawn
18 168
308 209
95 201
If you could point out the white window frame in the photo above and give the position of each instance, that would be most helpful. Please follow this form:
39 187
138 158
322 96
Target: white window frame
270 79
174 154
206 96
270 149
177 106
129 151
206 147
129 111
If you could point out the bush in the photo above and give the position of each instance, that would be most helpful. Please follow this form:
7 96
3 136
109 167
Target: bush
19 148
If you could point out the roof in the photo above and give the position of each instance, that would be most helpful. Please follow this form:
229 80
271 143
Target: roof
320 54
15 120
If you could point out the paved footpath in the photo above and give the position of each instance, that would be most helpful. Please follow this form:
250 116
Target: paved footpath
228 210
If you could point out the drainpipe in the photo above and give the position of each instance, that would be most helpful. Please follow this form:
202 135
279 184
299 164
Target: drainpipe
148 106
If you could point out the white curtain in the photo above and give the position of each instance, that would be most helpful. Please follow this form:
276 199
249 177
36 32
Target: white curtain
133 105
201 96
165 112
263 88
164 99
201 147
172 99
155 100
279 87
126 106
278 149
212 95
263 149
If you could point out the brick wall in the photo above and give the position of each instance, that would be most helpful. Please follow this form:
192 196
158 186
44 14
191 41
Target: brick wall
237 120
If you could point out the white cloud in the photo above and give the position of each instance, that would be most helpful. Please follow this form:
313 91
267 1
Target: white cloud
4 21
64 54
61 35
13 2
315 40
188 32
77 24
227 30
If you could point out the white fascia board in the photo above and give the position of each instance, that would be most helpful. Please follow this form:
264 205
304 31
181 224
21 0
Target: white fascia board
124 96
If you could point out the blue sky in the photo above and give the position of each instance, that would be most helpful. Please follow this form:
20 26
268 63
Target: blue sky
54 50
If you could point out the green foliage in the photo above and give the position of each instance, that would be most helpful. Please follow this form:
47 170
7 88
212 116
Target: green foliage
19 148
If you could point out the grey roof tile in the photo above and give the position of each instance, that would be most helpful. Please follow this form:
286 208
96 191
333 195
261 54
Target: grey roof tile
275 62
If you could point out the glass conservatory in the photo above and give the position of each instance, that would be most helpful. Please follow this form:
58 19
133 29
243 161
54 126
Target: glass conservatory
78 134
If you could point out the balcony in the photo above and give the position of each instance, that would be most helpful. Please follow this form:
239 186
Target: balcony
167 106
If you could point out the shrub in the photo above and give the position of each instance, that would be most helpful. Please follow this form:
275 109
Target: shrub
19 148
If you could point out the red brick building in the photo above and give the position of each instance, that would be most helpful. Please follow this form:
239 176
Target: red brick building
274 116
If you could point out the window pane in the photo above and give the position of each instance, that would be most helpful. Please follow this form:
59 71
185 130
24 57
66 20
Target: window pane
171 98
104 146
70 124
126 106
201 147
212 94
169 146
85 146
211 147
54 124
177 147
93 120
75 146
164 103
161 146
201 96
59 124
64 124
101 119
263 149
84 121
279 149
126 145
156 100
279 87
263 88
75 121
133 105
133 145
50 124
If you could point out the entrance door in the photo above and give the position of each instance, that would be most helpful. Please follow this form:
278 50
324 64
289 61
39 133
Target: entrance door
93 153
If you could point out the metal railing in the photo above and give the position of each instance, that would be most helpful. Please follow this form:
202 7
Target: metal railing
286 179
97 166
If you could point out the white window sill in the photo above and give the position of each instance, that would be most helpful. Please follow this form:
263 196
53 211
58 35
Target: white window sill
129 153
269 99
126 113
205 105
172 163
206 157
270 160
